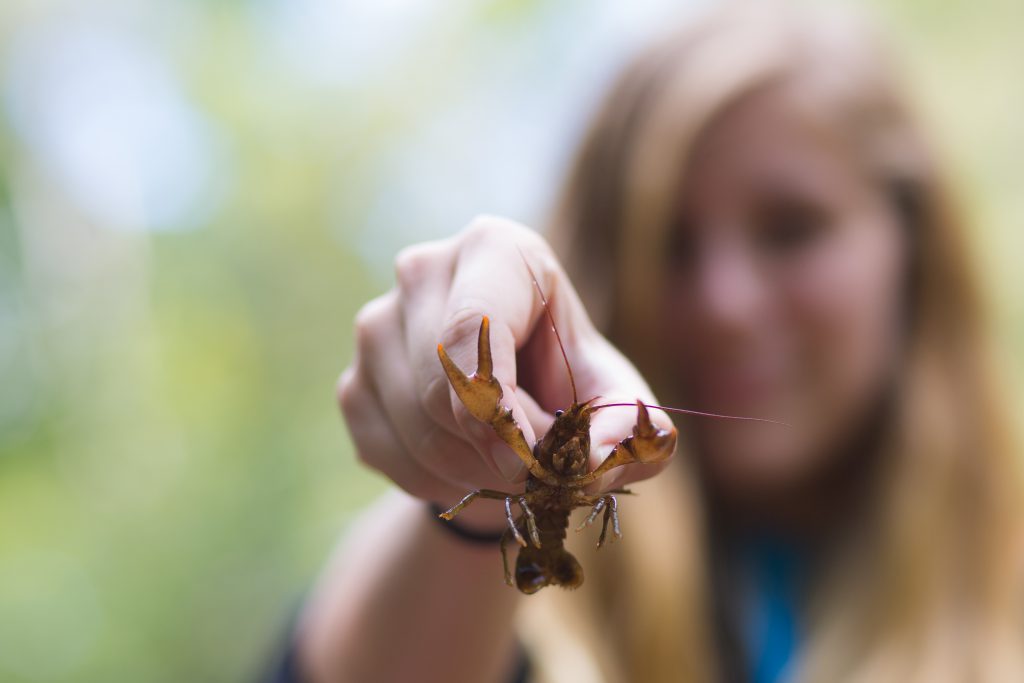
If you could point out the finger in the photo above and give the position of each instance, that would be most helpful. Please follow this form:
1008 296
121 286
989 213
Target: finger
540 419
424 275
446 455
507 268
628 474
491 280
482 434
610 426
377 445
619 382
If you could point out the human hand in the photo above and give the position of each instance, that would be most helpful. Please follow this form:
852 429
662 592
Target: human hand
403 416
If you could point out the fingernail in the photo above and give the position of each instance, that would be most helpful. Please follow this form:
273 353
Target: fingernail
508 463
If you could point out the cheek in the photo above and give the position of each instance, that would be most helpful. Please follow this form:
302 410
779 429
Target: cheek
830 324
845 303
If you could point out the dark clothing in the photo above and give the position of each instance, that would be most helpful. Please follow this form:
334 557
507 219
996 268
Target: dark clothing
285 667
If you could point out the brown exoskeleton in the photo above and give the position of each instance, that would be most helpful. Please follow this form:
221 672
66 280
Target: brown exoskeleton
557 466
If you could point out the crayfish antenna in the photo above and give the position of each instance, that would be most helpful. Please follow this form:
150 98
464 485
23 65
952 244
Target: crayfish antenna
551 319
698 413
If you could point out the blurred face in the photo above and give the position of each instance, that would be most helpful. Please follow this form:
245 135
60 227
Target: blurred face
784 297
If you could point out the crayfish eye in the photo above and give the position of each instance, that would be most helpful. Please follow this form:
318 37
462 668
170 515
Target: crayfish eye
559 413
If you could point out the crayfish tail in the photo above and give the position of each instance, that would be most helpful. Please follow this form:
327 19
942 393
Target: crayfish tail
540 567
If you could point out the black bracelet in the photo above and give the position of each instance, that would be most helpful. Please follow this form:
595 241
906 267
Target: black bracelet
465 534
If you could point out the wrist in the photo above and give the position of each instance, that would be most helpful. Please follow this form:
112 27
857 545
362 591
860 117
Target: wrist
483 518
464 531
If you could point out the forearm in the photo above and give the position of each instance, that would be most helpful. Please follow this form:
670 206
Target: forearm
405 600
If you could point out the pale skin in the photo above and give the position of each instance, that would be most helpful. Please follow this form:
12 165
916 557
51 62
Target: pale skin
787 300
402 596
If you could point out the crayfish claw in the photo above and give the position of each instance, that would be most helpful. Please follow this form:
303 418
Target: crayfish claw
647 444
650 443
481 393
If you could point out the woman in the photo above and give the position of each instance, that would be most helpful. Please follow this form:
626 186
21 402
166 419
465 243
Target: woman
755 220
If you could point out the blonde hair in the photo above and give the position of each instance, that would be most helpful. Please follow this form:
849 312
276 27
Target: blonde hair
930 586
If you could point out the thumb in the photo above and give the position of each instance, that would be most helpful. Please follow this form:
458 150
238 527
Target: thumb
615 381
641 431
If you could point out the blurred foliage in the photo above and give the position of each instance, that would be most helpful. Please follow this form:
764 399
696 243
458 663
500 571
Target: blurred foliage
172 467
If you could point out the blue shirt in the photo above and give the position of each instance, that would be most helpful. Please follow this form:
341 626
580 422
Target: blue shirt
771 573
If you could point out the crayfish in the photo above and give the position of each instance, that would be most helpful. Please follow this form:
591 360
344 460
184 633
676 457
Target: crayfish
557 466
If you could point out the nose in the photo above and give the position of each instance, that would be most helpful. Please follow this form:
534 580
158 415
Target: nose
729 290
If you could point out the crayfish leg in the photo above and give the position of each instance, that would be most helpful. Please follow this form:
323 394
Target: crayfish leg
592 516
504 553
609 504
531 523
511 523
449 514
611 512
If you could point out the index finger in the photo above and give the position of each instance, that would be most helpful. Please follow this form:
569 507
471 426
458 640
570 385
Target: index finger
491 281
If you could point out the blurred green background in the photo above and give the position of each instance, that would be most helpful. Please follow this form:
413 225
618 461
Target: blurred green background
195 199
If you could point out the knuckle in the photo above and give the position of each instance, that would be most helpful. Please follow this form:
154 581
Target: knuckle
407 260
481 225
486 227
495 231
345 389
533 242
369 320
363 445
415 262
363 324
357 437
544 261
